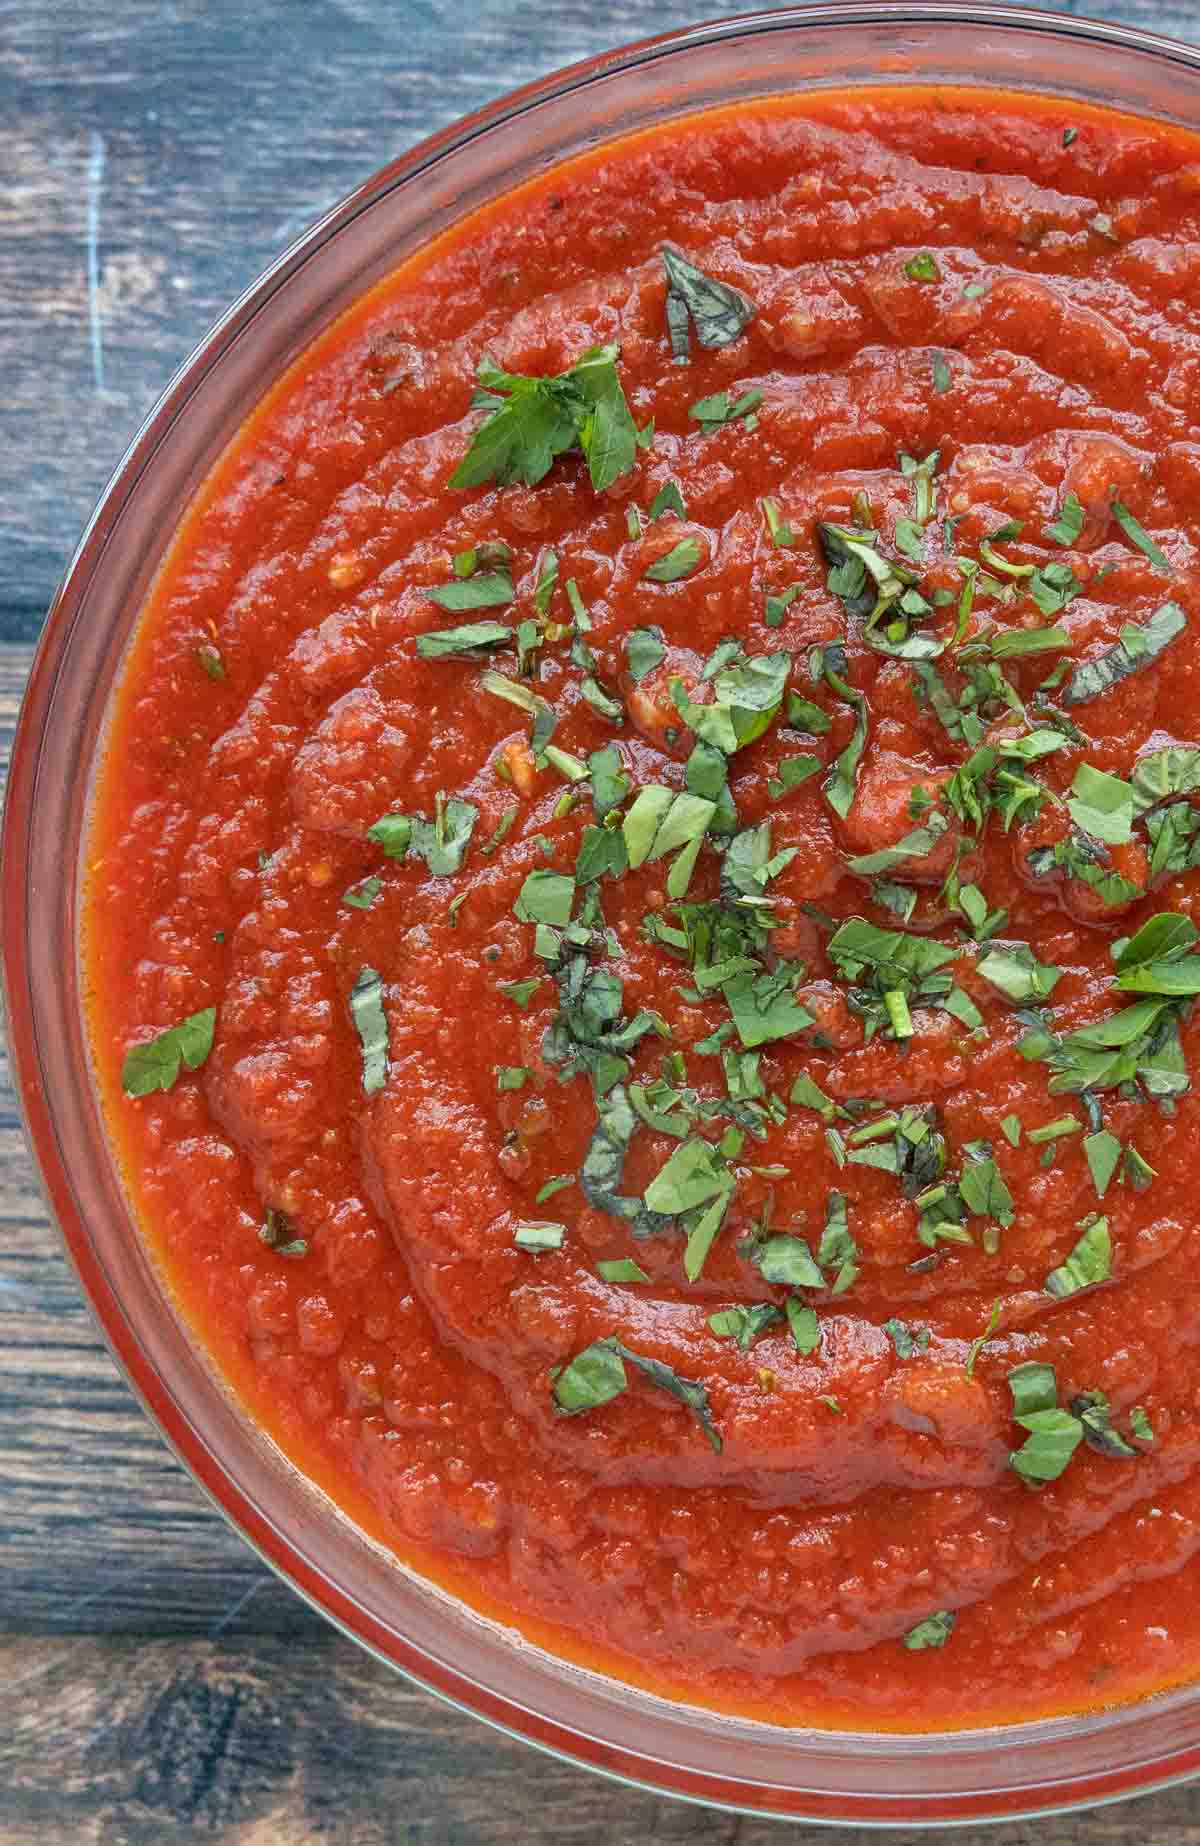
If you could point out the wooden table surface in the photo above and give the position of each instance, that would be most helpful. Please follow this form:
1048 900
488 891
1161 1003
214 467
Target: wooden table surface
159 1684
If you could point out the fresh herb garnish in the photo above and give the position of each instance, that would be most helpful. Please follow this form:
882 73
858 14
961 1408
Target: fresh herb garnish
1139 646
530 421
621 1269
680 561
718 312
1089 1262
370 1022
923 267
934 1631
157 1064
1137 535
744 1325
539 1234
487 592
715 411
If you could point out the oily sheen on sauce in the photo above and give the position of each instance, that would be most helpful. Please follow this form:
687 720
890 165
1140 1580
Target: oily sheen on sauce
662 1071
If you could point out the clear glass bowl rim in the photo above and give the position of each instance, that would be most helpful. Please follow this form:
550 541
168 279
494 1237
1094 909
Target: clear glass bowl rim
21 902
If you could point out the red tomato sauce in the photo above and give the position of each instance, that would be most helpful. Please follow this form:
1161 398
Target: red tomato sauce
809 1511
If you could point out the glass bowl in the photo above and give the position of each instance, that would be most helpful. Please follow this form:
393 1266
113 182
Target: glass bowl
866 1779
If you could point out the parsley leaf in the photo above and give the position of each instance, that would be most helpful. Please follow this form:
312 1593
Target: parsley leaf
530 421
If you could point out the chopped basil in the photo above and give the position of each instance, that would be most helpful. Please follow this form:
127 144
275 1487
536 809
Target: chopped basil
278 1234
530 421
923 267
1066 528
1103 1153
393 833
1138 535
1014 643
915 845
362 895
1158 959
644 650
621 1269
1016 971
1095 1414
980 1341
1053 1437
210 660
490 592
841 783
370 1022
1102 805
744 1324
776 608
521 992
718 312
512 1076
539 1234
546 897
662 820
610 784
693 1175
1140 1424
942 375
907 1340
934 1631
1139 646
1011 1128
792 771
1090 1262
156 1065
1034 1387
787 1260
594 1377
837 1249
803 1325
687 1390
780 531
680 561
983 1189
712 412
668 499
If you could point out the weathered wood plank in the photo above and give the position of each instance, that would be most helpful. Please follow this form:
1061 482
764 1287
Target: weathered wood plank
311 1743
153 159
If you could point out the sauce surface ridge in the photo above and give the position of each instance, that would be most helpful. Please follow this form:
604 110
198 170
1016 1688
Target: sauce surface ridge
639 918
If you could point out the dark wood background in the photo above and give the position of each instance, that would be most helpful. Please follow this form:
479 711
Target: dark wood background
158 1684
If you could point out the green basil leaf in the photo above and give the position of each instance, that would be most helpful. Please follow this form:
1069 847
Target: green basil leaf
370 1022
490 592
1034 1387
787 1260
1016 971
1090 1262
1095 1414
1137 535
393 833
539 1234
644 650
1054 1436
668 499
923 267
984 1190
693 1174
546 897
744 1324
1103 1153
803 1325
687 1390
621 1269
934 1631
680 561
718 312
362 895
1102 805
1015 643
712 412
1152 637
610 784
594 1377
156 1065
907 1340
1069 524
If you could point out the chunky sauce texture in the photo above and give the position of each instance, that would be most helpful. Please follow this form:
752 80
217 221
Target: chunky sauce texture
791 950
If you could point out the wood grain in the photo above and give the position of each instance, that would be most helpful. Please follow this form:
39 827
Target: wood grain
178 149
159 1683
